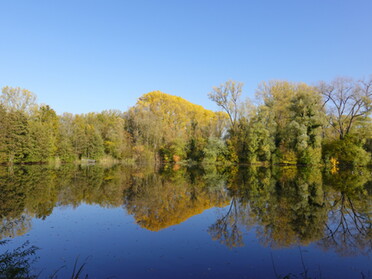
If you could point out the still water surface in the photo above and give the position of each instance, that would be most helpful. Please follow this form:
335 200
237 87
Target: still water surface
180 223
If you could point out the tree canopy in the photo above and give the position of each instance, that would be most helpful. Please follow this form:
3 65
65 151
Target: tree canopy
293 123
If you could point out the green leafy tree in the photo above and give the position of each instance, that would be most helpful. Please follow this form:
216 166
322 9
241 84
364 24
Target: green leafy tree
296 109
18 99
44 131
16 147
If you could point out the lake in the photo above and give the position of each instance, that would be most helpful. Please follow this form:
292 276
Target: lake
138 222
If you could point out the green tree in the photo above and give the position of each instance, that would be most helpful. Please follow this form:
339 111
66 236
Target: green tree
296 109
349 104
18 99
16 141
44 131
215 151
3 132
116 141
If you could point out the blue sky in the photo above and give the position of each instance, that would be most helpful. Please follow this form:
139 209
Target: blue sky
82 56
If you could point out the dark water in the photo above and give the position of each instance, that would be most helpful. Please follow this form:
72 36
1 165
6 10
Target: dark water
176 223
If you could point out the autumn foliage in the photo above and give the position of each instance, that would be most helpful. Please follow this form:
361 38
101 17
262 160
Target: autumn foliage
293 124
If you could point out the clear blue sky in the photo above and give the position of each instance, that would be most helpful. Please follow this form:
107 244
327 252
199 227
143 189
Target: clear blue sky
81 56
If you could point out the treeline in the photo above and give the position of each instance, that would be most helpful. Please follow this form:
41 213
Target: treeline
293 123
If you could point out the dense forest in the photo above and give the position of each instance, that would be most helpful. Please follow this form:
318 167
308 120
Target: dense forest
290 123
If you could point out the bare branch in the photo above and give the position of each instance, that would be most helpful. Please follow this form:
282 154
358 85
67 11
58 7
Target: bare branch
346 102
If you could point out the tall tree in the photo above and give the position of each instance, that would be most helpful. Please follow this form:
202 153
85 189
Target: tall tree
172 125
3 132
16 137
18 99
296 109
347 102
44 131
227 96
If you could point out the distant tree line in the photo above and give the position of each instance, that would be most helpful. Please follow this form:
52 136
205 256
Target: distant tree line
293 123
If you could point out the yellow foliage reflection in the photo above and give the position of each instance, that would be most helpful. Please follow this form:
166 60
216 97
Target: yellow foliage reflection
285 206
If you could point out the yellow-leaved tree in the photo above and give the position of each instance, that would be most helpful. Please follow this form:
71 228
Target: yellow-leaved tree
169 124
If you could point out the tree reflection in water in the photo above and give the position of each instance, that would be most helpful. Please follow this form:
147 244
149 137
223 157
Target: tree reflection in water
348 230
226 228
159 201
285 206
293 206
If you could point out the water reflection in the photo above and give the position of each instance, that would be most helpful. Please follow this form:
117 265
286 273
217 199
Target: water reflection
158 201
285 206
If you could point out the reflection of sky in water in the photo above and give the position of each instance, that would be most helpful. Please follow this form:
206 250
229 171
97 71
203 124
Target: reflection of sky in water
167 225
115 245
